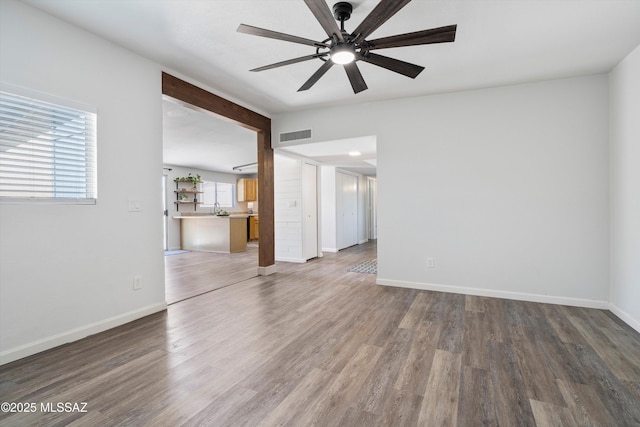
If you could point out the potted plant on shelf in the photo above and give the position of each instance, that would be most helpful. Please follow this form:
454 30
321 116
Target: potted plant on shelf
195 180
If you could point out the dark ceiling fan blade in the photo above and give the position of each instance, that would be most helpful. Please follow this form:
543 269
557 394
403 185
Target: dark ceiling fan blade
324 16
316 76
401 67
290 61
378 16
255 31
355 77
434 35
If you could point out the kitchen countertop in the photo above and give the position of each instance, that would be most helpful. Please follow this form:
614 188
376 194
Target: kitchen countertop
213 216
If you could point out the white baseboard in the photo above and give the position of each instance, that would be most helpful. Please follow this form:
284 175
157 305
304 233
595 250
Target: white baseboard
519 296
266 271
334 250
296 260
76 334
363 241
625 317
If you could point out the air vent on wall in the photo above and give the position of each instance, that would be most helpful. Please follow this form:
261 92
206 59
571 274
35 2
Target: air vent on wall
295 135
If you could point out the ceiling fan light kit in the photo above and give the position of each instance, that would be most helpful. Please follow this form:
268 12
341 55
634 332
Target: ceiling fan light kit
346 49
343 53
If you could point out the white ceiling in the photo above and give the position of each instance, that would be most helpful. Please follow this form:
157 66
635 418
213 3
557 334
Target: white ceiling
196 139
497 43
337 153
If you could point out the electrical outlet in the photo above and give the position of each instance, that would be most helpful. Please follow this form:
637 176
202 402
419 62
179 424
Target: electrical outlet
431 262
135 205
137 282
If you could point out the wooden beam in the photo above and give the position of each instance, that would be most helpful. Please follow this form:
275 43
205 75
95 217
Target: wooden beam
266 247
198 97
183 91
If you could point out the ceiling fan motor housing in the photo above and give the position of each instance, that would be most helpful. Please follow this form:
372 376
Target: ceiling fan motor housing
342 11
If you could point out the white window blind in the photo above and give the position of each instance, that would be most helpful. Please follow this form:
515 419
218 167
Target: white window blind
208 193
224 194
47 151
220 192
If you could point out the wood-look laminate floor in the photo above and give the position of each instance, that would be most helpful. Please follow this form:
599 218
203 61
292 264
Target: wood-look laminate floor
193 273
317 345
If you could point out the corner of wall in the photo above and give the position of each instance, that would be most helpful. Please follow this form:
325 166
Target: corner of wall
624 181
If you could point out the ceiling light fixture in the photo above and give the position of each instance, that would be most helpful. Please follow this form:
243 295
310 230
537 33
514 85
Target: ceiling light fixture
248 165
342 47
354 153
343 53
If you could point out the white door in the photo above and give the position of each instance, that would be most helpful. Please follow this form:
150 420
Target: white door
309 211
347 198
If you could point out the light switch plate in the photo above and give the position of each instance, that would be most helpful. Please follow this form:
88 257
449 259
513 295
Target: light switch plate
135 205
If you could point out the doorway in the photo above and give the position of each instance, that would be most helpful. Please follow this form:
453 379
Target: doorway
206 251
347 210
183 270
372 208
310 211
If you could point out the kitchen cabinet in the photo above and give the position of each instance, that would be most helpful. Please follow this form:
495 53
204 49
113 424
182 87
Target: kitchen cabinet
212 233
247 189
254 228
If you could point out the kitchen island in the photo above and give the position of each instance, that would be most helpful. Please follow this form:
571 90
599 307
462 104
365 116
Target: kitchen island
213 233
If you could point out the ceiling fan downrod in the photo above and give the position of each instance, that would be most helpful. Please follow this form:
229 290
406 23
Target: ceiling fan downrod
342 12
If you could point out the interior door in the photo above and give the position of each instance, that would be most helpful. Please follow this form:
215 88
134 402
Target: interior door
347 197
309 211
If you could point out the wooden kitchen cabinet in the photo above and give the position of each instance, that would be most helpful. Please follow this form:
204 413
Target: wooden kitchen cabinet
254 228
247 189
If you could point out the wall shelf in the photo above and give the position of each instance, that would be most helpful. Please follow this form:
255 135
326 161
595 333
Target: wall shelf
192 193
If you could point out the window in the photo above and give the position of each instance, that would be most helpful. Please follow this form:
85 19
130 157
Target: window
220 192
47 151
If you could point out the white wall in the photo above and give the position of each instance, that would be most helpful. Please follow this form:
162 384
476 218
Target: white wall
67 270
287 189
625 189
506 187
297 237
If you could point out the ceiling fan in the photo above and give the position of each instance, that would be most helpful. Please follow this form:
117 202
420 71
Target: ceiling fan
346 48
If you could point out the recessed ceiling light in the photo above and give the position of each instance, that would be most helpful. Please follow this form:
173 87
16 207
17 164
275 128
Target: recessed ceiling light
354 153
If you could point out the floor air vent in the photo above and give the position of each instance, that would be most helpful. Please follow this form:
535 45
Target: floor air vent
295 135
